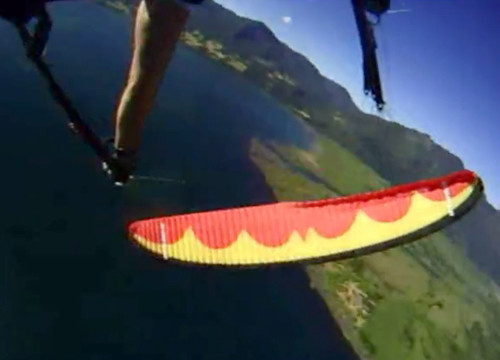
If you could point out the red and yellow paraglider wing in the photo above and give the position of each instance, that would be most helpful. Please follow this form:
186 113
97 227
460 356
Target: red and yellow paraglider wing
312 230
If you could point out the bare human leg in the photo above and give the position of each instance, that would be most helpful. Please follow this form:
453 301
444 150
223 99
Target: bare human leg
158 25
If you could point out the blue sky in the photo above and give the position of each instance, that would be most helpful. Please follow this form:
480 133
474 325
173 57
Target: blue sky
440 66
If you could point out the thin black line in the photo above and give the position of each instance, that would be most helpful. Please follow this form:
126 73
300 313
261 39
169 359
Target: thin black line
76 122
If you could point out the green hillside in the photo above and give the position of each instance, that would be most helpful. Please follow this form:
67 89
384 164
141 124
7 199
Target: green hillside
424 300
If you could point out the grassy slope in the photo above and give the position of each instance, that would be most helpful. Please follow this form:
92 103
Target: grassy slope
418 301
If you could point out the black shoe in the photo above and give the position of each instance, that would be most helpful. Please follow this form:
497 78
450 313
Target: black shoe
120 166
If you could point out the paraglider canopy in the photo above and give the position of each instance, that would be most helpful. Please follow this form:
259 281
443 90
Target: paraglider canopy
310 231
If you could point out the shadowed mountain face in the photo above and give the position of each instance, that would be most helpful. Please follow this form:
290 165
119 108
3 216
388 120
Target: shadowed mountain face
253 39
256 32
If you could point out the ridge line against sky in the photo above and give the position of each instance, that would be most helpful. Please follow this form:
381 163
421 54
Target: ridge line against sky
437 61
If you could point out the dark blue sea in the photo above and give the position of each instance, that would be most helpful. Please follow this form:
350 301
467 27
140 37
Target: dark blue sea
72 286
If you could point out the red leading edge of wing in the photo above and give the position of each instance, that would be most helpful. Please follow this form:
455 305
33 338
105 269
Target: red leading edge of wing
271 225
